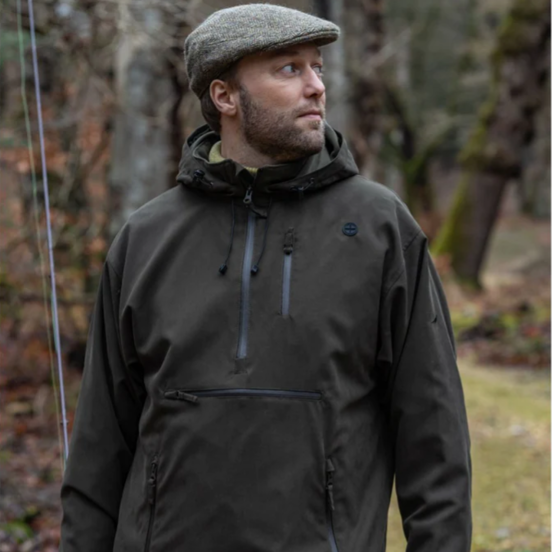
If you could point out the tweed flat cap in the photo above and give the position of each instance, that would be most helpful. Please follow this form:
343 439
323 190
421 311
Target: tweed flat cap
232 33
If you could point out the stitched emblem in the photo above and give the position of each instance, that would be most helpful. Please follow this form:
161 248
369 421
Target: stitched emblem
350 229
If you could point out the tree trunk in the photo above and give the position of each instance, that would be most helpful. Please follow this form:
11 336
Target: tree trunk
142 151
413 161
534 186
366 20
337 101
494 154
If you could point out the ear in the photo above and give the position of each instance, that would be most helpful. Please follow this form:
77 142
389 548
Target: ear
224 97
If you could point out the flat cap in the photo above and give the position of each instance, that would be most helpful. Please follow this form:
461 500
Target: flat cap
232 33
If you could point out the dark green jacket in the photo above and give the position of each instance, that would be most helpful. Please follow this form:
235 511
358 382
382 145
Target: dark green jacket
248 405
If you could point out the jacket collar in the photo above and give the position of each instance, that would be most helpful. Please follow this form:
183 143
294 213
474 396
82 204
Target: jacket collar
228 178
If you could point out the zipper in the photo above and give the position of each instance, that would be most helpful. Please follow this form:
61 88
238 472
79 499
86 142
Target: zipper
152 495
286 280
246 281
178 395
248 196
194 395
330 506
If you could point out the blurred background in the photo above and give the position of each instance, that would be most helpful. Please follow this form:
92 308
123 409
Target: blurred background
447 103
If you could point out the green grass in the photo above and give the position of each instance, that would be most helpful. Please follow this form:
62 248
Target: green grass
509 417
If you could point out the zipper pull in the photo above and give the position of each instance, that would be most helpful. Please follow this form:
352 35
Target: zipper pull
152 481
329 482
248 196
181 396
288 242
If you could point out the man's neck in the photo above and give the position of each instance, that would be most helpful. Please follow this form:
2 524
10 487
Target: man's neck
236 148
215 156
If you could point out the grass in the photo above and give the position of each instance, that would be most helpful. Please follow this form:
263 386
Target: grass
509 417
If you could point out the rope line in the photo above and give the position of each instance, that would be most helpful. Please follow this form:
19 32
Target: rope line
37 221
49 231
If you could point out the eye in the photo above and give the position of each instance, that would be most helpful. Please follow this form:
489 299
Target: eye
319 70
289 68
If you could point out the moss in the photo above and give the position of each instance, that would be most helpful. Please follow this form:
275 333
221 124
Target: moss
473 154
463 320
516 33
450 239
480 152
18 530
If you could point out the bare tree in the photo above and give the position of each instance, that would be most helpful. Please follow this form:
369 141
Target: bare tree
143 153
365 19
335 66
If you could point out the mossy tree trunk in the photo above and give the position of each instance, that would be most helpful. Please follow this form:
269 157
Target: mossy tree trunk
494 154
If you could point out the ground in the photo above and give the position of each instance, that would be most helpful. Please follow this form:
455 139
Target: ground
509 419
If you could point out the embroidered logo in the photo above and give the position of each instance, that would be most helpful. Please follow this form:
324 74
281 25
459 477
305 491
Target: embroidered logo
350 229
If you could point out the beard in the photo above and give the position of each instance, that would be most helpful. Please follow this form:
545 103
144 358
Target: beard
277 134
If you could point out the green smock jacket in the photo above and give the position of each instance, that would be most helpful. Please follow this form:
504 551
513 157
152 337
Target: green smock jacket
268 351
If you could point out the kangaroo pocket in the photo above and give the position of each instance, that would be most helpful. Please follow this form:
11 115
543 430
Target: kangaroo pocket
242 470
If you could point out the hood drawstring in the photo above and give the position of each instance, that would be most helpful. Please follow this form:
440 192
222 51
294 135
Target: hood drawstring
224 266
255 267
199 179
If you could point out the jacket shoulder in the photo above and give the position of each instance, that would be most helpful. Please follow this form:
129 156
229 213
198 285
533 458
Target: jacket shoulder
383 208
147 221
167 204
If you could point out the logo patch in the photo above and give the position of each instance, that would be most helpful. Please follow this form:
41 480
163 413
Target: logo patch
350 229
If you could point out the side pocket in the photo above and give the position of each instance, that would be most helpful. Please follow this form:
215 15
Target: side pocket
286 276
330 506
152 499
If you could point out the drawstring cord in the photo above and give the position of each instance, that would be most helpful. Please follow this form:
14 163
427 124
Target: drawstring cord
224 266
255 268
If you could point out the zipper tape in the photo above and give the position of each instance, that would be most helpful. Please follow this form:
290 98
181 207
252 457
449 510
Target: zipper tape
192 395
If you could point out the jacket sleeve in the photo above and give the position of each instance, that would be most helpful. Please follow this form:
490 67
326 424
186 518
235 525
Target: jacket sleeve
104 432
426 407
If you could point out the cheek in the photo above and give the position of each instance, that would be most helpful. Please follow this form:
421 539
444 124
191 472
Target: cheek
283 94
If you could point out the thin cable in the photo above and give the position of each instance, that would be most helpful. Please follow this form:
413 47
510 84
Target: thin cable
49 229
37 222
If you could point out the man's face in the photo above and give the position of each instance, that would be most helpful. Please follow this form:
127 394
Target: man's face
282 102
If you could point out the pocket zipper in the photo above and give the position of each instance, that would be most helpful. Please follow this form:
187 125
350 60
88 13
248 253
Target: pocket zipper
152 499
194 395
286 277
330 505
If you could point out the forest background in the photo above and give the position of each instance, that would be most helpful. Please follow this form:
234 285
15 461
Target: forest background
446 103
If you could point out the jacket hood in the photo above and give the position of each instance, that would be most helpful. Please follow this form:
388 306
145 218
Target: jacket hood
228 178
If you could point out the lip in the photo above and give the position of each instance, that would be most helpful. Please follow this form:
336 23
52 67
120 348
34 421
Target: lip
316 115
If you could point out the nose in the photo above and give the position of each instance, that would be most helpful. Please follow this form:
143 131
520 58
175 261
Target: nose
314 85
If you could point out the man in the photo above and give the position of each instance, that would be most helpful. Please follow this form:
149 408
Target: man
270 345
